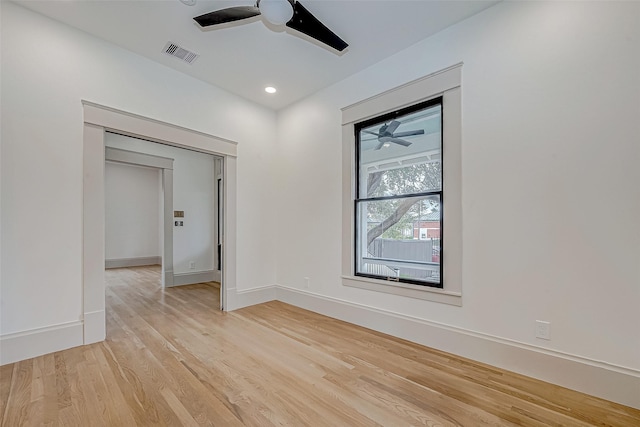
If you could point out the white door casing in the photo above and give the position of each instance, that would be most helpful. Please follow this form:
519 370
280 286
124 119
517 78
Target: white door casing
97 120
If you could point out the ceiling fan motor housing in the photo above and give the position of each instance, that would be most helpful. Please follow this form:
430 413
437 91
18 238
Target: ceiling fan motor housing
277 12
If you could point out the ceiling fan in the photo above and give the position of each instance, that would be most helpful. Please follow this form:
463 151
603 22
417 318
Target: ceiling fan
387 133
278 12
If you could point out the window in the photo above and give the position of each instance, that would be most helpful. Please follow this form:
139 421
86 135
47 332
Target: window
398 195
418 252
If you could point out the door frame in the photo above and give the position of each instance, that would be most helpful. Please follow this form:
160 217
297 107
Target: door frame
97 120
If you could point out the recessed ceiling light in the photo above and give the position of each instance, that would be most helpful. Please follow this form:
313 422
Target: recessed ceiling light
188 2
270 89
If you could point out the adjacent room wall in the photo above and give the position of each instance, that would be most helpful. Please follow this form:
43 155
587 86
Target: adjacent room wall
133 214
550 154
47 69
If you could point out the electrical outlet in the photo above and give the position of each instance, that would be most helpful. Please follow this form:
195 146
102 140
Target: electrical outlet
543 330
307 282
192 265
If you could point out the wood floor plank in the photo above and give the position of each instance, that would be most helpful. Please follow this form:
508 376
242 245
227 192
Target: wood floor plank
50 416
18 405
6 374
172 358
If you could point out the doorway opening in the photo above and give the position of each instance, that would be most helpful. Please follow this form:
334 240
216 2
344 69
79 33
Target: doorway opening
188 238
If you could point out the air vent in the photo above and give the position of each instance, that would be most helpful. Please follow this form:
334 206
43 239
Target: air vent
180 53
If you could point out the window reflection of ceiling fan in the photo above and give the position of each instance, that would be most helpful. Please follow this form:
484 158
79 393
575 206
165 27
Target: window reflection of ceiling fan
387 133
278 12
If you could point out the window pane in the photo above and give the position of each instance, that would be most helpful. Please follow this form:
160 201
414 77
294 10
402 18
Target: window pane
401 155
399 238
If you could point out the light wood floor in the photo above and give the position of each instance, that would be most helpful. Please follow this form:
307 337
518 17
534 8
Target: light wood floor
171 358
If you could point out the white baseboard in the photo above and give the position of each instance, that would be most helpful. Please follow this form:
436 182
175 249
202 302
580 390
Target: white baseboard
600 379
95 327
615 383
132 262
36 342
247 297
191 278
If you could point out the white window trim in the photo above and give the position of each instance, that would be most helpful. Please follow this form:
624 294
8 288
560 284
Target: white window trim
445 83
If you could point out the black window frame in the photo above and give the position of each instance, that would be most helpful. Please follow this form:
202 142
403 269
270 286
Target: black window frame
440 193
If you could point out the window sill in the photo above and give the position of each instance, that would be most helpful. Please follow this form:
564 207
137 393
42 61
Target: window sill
404 289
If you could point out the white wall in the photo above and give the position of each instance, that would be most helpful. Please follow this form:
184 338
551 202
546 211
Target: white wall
551 101
193 193
47 69
133 215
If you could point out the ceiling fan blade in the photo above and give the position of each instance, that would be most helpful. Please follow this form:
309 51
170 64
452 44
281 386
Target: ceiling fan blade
379 146
391 127
372 133
229 14
308 24
400 141
408 133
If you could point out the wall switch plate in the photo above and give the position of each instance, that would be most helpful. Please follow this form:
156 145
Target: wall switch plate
306 282
543 330
192 265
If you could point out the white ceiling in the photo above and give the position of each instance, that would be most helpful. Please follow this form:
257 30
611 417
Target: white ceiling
246 56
